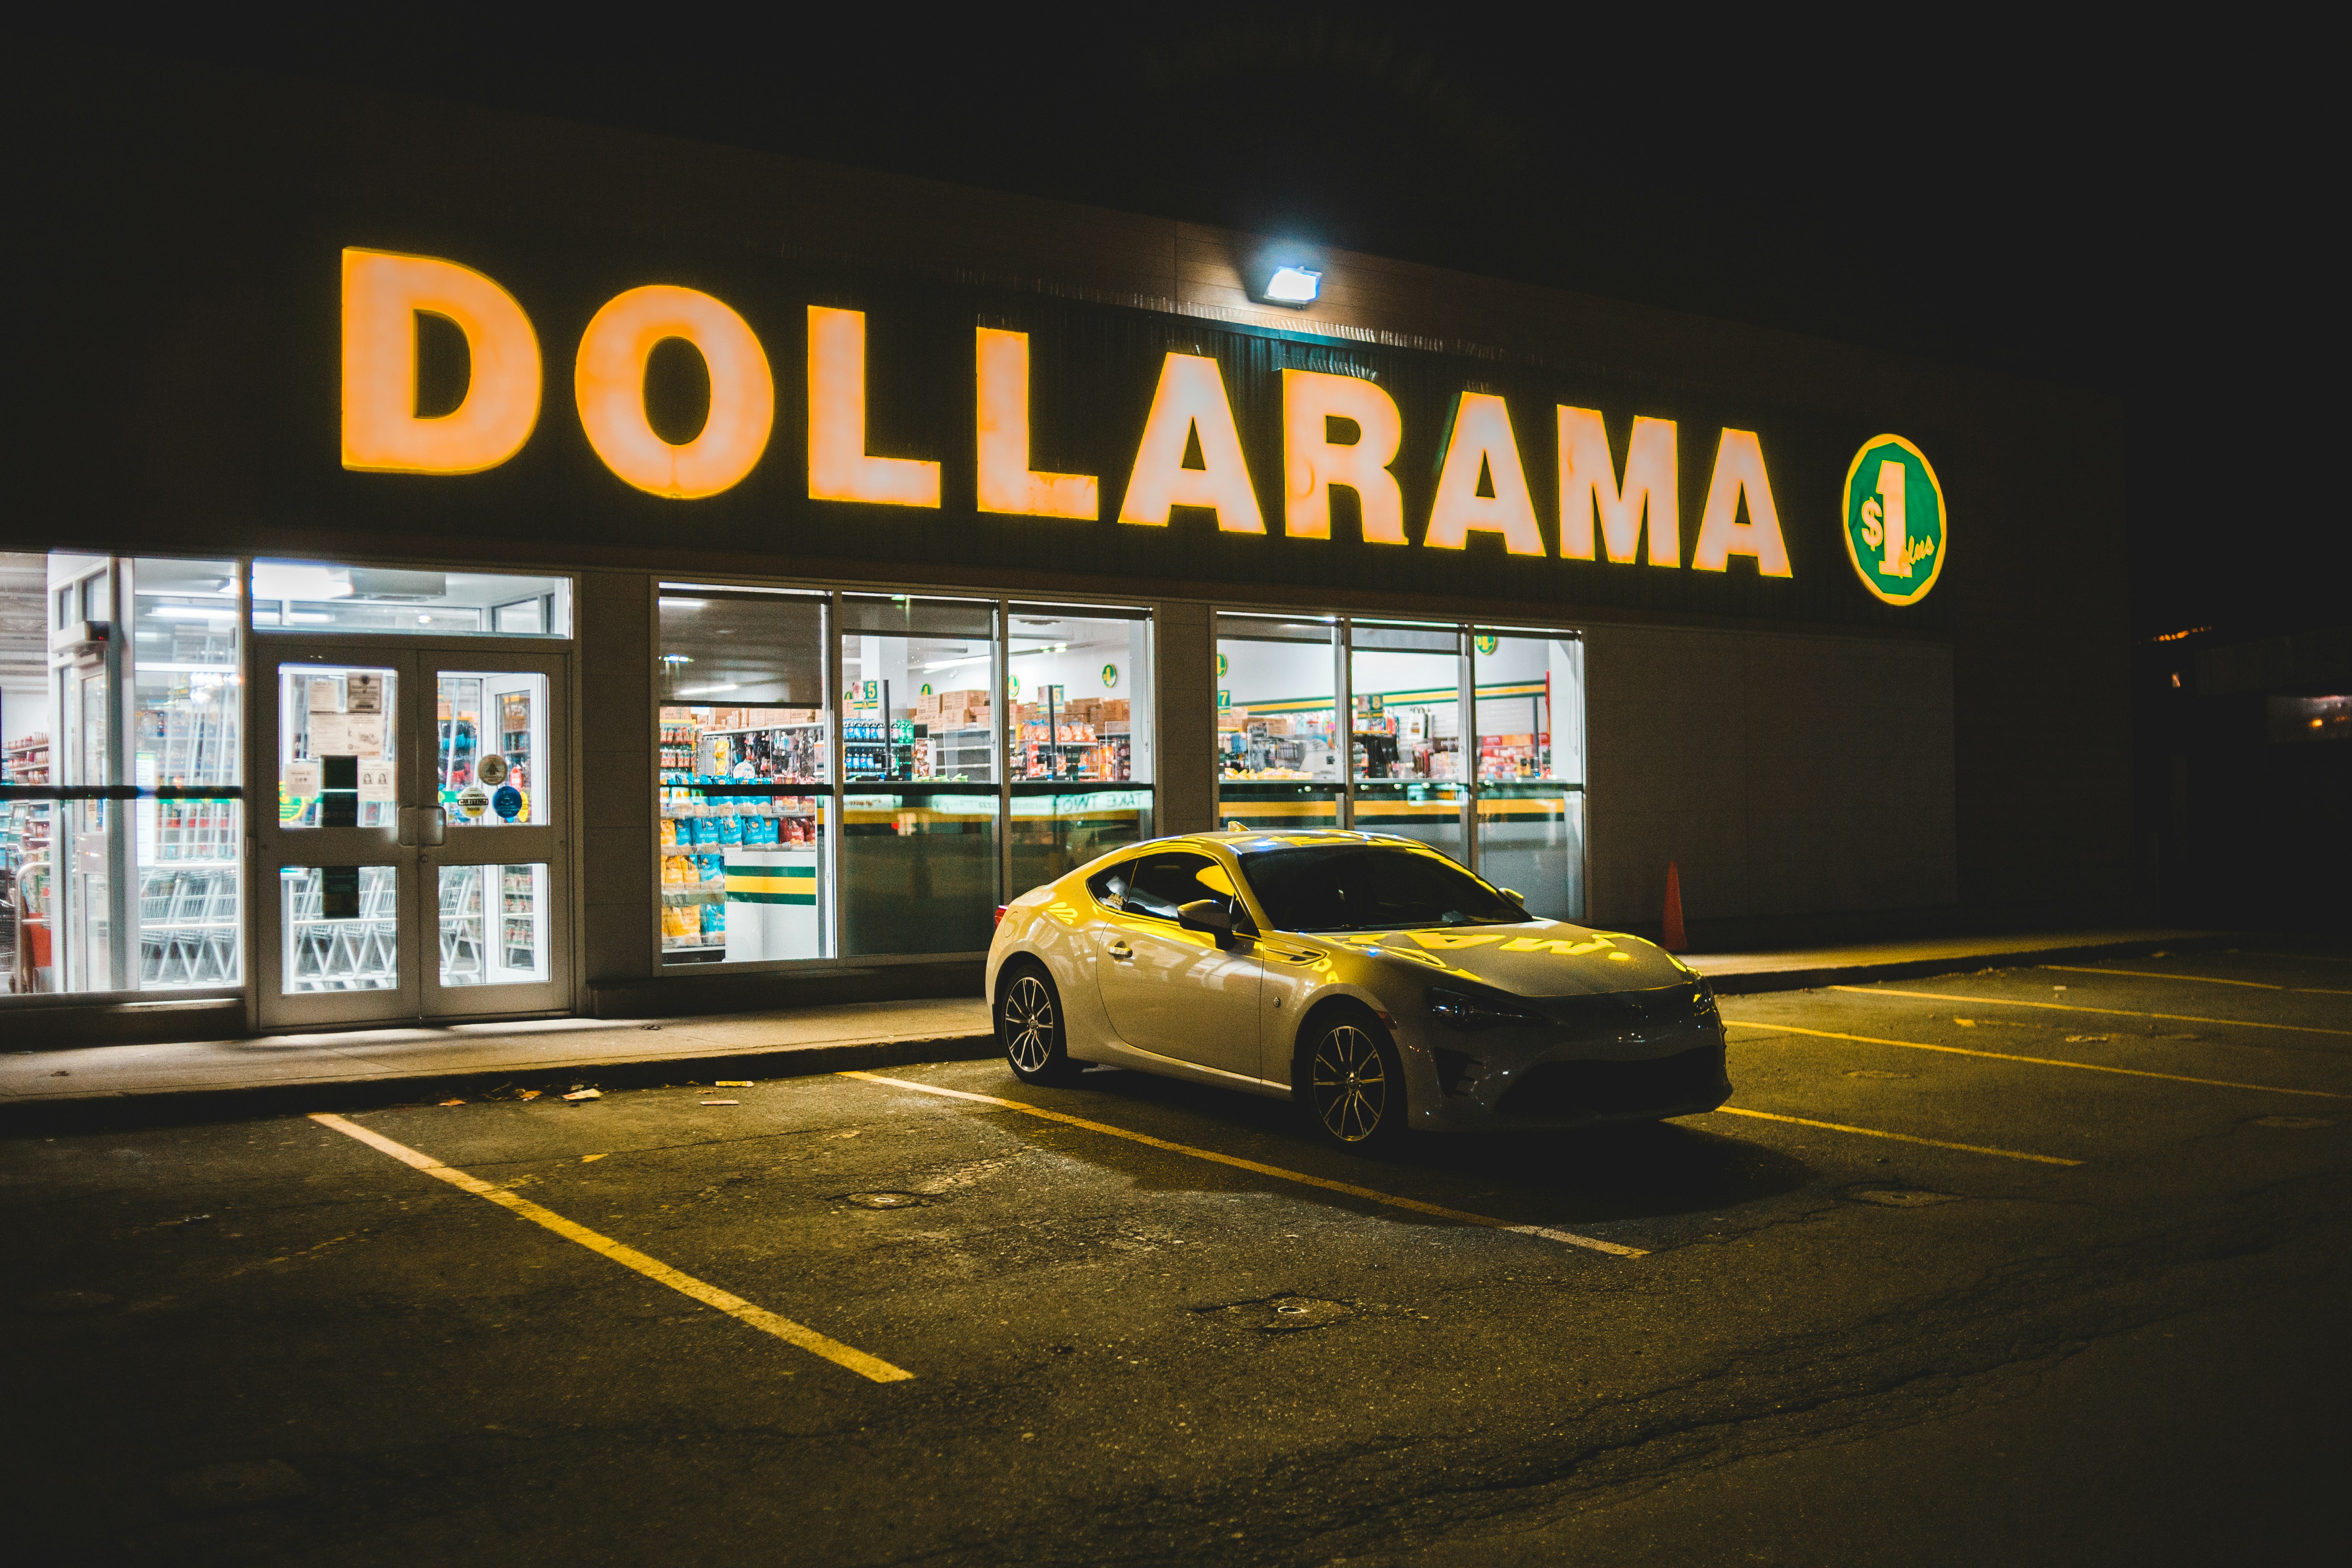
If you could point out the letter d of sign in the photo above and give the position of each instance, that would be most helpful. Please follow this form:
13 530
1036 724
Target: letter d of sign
610 384
384 293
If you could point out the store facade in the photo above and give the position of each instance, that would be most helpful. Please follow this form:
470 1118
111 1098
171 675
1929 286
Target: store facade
525 569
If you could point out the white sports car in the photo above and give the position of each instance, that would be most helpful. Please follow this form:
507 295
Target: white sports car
1367 977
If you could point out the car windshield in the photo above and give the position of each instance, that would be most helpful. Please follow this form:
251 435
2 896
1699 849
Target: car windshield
1370 887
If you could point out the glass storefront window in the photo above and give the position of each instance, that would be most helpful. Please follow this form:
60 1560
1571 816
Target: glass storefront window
1055 832
1079 685
132 686
342 928
490 738
1530 706
1435 749
493 925
1530 725
1079 682
746 760
918 872
916 675
310 595
1279 746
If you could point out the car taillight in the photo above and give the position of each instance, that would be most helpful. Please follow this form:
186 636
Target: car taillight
999 913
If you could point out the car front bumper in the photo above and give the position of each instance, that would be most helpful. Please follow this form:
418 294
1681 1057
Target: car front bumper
1537 1080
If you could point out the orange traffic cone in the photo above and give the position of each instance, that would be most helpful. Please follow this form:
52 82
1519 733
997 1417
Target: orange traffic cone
1674 940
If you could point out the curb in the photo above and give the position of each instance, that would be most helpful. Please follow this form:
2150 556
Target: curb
1759 981
167 1108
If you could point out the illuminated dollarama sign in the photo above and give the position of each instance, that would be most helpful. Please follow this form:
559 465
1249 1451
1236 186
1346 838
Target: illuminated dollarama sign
1339 432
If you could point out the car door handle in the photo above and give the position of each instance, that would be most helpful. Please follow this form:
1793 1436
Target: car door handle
1121 950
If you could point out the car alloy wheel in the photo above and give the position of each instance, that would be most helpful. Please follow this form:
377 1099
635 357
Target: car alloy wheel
1026 1014
1351 1085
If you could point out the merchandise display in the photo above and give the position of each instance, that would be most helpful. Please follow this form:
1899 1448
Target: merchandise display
1410 756
739 851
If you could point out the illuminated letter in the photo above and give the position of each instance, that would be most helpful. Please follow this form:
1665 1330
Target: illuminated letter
1739 470
383 296
839 468
1588 485
1312 464
1483 443
1006 483
1191 401
610 384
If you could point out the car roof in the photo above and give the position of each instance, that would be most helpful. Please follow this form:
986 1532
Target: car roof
1238 840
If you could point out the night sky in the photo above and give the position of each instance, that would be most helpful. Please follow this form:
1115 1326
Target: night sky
2137 213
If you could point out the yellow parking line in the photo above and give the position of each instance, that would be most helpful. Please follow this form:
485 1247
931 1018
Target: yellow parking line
1898 1137
1459 1216
2039 1061
759 1318
2078 1007
2151 975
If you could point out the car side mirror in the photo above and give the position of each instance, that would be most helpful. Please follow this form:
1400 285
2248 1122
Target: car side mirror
1206 915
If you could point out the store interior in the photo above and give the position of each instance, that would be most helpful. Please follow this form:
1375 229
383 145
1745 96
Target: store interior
1511 801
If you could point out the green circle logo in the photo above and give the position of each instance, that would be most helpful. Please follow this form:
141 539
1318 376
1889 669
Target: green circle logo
926 688
1012 686
1221 666
1111 675
1895 519
1488 644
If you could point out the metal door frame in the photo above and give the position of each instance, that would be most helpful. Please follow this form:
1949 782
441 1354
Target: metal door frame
419 996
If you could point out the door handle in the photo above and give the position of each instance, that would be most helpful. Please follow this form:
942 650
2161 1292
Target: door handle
1121 950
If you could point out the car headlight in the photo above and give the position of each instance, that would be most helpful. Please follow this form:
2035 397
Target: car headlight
1466 1010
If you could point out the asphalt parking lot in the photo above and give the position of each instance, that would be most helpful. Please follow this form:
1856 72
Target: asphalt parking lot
2027 1265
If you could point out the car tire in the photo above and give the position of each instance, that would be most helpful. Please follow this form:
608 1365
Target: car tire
1029 1026
1352 1082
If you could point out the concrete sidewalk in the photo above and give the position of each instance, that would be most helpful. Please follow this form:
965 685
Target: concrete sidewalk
201 1079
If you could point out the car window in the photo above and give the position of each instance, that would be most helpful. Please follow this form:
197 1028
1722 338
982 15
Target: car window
1370 887
1110 887
1163 881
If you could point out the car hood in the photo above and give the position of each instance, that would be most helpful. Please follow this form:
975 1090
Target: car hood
1537 958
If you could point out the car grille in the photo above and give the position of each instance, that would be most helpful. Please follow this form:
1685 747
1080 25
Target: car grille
1613 1012
1571 1090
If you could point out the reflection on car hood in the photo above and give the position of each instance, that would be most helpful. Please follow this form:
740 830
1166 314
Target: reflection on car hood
1539 958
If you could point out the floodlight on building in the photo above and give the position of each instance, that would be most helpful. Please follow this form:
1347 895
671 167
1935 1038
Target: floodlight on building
1291 285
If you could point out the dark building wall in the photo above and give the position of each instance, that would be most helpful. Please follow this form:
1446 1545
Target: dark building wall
1784 775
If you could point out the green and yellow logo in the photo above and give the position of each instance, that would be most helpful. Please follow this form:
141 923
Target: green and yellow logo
1487 644
1111 675
1895 519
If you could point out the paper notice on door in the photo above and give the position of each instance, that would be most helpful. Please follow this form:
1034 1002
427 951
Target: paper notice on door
364 692
331 735
376 784
366 734
298 784
326 695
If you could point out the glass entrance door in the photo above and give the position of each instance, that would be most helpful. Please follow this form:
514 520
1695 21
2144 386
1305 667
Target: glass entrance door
414 866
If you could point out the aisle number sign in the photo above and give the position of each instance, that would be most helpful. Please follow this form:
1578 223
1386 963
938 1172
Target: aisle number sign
1623 504
1894 523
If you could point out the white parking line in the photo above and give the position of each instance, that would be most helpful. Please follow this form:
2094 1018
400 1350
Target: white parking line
2078 1007
653 1268
2038 1061
1460 1216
